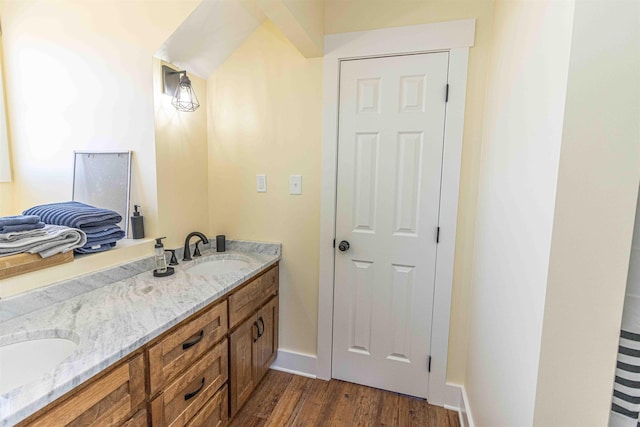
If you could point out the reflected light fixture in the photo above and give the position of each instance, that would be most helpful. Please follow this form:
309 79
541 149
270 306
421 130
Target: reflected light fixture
178 85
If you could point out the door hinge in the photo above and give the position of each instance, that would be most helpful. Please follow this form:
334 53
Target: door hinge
438 235
334 243
446 94
429 364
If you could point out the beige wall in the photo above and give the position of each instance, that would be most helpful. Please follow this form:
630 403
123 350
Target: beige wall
526 86
261 122
181 162
6 199
265 116
359 15
593 223
6 188
79 77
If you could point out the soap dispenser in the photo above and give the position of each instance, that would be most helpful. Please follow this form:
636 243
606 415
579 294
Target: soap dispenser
161 262
137 224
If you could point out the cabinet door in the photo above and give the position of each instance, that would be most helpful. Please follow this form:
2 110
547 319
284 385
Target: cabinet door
242 378
267 344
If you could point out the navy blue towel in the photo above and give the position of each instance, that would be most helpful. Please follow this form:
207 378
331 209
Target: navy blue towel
74 215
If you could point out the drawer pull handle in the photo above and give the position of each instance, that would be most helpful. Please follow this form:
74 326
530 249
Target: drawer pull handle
194 342
258 329
261 321
194 393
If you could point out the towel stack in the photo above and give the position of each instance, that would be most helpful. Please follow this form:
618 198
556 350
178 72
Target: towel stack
98 224
27 234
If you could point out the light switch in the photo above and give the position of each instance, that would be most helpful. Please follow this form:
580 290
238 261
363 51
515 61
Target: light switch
295 184
261 183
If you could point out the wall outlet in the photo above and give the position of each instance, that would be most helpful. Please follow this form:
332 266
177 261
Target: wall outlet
261 183
295 184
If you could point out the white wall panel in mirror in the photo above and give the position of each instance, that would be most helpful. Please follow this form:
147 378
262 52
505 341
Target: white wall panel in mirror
103 179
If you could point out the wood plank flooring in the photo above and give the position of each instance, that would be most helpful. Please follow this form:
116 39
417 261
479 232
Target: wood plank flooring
284 399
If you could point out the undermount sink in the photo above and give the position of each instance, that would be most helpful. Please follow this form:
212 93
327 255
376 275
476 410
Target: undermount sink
26 361
218 266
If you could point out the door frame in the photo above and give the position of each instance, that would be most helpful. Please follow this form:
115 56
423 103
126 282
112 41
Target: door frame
454 37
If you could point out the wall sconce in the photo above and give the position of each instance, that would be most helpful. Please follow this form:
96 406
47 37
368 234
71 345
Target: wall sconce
178 85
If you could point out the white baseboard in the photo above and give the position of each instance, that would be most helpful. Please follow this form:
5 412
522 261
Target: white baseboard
465 411
456 400
452 397
295 363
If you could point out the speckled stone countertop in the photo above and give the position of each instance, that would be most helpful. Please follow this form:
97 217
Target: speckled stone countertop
111 320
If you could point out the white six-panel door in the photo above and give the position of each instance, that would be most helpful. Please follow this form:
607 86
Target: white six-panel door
390 142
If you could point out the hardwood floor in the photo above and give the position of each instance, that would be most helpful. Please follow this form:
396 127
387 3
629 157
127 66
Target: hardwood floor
284 399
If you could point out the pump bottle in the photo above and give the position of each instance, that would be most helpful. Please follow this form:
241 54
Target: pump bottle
161 262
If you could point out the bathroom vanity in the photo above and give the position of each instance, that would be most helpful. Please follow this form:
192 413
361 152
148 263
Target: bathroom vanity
187 350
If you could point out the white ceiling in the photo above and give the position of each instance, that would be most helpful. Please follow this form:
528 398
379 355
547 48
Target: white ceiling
210 34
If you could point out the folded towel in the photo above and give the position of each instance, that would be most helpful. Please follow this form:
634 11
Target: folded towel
101 238
86 249
19 219
74 214
102 234
9 221
21 227
17 235
58 239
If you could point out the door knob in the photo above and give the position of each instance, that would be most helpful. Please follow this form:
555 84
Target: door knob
343 246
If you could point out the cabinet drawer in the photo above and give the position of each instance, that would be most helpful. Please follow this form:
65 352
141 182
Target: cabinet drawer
215 412
184 397
106 401
138 420
248 299
184 345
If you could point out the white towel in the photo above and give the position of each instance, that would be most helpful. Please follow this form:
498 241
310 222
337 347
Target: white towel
57 239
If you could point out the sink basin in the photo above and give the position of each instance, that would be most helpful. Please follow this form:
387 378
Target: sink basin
26 361
218 266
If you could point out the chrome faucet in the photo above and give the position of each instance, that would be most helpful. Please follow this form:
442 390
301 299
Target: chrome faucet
187 252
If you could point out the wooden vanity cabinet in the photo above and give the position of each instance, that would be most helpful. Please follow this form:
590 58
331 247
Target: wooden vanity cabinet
196 374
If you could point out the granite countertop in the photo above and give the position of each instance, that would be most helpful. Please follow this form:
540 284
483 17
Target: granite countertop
111 320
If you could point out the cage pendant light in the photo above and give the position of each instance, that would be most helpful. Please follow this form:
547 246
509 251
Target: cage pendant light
178 85
185 98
